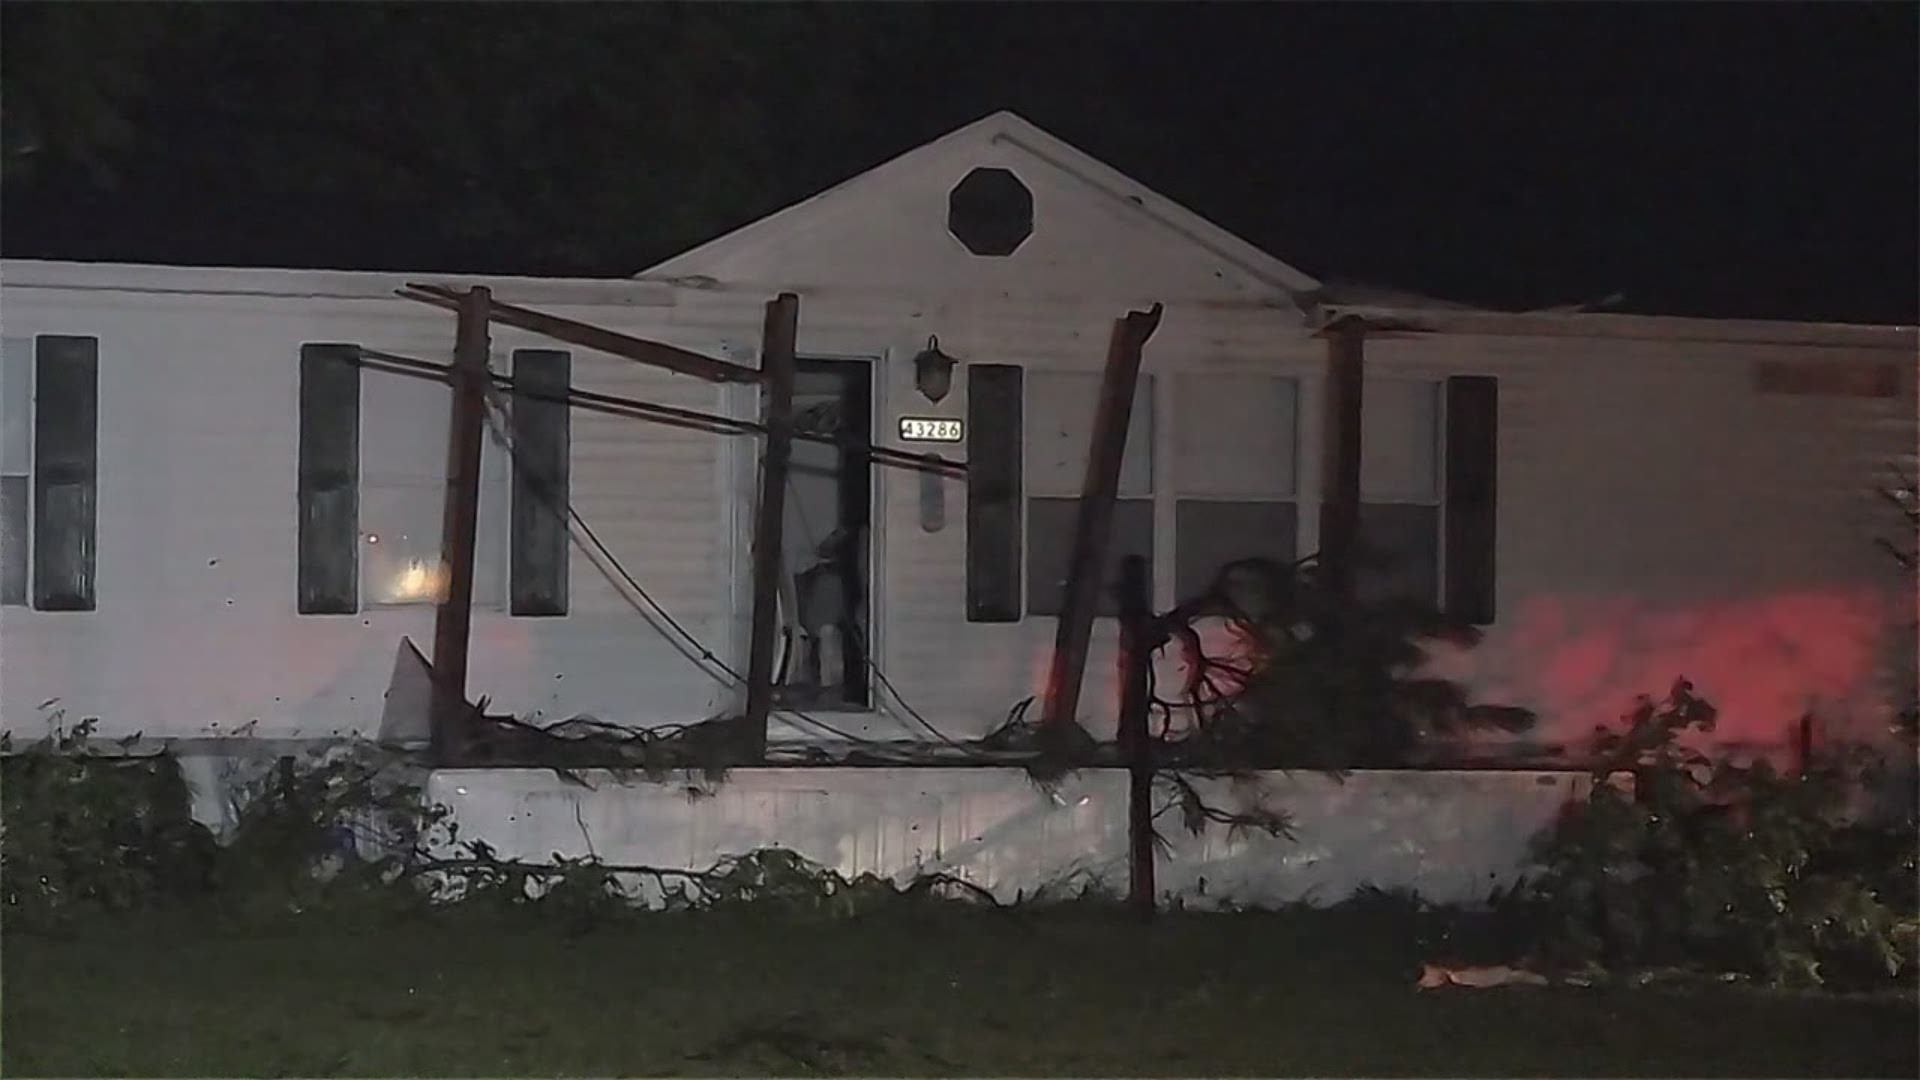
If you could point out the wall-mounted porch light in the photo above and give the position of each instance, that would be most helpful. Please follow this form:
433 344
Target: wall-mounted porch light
933 371
933 374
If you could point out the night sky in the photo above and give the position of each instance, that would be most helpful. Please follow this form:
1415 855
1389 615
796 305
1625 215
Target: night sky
1758 160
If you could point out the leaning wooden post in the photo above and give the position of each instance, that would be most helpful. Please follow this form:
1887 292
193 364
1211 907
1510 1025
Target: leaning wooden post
453 618
776 373
1138 642
1803 745
1095 519
1340 459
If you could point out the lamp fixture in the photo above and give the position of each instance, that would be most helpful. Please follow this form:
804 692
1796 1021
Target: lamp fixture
933 371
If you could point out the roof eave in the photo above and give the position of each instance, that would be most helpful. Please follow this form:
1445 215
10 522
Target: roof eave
1286 282
1621 327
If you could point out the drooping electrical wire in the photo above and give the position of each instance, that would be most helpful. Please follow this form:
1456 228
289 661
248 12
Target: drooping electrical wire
677 636
918 717
687 644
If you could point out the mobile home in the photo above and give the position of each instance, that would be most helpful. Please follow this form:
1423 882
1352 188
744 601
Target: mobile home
1619 500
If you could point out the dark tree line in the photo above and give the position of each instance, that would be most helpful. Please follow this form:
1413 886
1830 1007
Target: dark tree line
578 138
1504 155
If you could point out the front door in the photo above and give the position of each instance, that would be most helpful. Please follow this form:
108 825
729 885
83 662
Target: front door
826 571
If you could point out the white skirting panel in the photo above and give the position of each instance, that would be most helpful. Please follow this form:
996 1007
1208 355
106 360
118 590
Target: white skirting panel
1451 836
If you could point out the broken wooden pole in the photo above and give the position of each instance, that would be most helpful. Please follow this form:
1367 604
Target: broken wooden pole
612 342
669 415
1803 745
776 373
1095 518
1340 461
453 618
1138 643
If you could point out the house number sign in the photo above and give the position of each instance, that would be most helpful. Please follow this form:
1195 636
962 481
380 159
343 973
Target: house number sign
931 429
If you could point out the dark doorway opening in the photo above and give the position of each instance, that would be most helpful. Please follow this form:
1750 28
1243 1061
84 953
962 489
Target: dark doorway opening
826 568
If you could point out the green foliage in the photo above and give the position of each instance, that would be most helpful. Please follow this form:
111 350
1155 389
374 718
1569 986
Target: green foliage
347 834
82 831
1324 682
75 78
702 117
773 882
1316 681
702 751
1250 814
1708 865
573 894
88 832
341 829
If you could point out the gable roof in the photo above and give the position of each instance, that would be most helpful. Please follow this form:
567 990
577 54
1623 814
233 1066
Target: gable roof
1002 129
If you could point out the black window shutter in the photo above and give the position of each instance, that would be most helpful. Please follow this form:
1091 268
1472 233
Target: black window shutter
995 445
1473 439
329 479
541 480
65 471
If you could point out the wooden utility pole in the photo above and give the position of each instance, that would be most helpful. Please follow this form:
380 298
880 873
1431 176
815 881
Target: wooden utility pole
1139 640
453 619
612 342
1340 461
1803 745
776 372
1090 534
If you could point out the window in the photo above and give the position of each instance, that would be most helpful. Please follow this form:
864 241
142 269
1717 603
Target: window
403 468
1050 529
990 211
16 468
1399 529
1235 469
1231 485
49 471
1060 410
373 453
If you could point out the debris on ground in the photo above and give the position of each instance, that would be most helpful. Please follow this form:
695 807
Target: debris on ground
1434 976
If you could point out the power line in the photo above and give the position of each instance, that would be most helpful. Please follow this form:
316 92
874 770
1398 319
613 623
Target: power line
705 655
908 708
686 644
866 656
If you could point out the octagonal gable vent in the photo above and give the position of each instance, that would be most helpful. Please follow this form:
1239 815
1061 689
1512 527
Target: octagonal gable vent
990 211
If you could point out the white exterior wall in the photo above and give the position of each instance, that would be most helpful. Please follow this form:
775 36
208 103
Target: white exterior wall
196 632
966 676
1659 517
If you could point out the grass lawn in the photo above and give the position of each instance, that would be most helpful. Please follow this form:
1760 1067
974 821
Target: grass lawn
943 993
